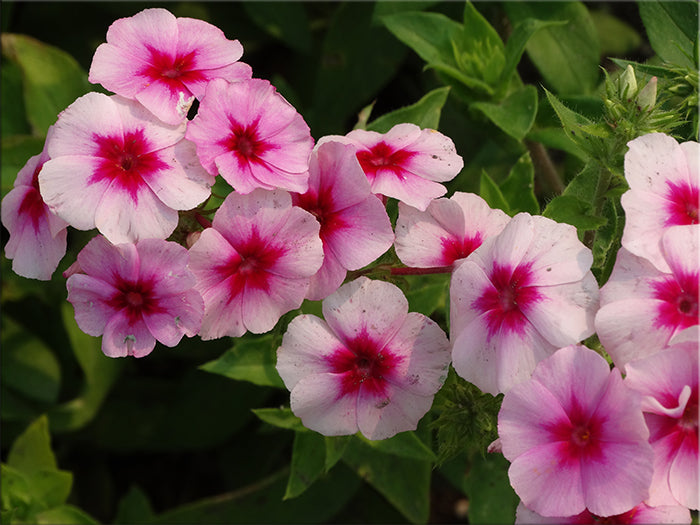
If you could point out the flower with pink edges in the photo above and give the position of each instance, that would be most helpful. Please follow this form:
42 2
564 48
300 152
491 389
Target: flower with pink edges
247 132
447 231
406 163
642 513
663 178
517 298
576 438
165 62
255 263
115 167
37 236
370 366
134 295
668 381
642 308
355 227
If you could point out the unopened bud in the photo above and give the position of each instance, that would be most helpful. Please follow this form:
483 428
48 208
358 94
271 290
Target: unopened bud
647 96
628 83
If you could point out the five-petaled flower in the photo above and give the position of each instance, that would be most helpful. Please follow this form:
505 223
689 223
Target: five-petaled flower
517 298
37 236
370 366
255 263
252 136
165 62
576 438
115 167
134 295
642 513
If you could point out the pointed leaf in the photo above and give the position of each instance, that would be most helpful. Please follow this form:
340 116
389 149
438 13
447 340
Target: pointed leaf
425 113
519 188
280 417
404 444
515 114
31 451
308 462
335 448
672 28
491 193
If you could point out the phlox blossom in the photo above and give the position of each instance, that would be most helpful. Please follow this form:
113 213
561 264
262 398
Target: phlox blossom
134 295
668 381
252 136
255 263
37 236
447 231
517 298
642 513
406 163
576 438
115 167
663 178
355 227
642 308
370 366
165 62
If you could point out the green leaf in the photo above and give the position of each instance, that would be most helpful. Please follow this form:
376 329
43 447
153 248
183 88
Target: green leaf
31 451
134 507
29 367
491 498
518 39
13 119
519 188
52 78
515 114
403 481
566 55
335 448
427 293
556 138
391 7
280 417
308 462
482 49
672 28
100 374
616 36
250 359
425 113
571 210
491 193
404 444
16 151
65 514
607 240
286 21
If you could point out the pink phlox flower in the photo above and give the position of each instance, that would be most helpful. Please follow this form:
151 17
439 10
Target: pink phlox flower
644 309
255 263
447 231
663 178
115 167
37 236
165 62
517 298
370 366
134 295
668 381
355 227
406 163
576 438
642 513
252 136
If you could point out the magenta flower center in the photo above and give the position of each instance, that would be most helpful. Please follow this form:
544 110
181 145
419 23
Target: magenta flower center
581 436
245 142
682 204
509 296
679 301
322 207
172 70
363 365
127 160
33 205
137 298
384 157
454 248
689 419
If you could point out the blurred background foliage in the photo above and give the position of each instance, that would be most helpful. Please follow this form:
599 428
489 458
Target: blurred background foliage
199 433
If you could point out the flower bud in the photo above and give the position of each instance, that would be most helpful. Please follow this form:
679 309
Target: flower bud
647 96
628 83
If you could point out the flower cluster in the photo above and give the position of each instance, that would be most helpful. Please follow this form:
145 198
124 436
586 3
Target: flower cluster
301 214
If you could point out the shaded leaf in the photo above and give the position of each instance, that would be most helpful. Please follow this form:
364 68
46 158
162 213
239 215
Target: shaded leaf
672 28
404 444
308 462
65 514
425 113
615 35
491 193
280 417
491 498
31 451
16 151
515 114
571 210
286 21
335 448
519 187
427 293
134 507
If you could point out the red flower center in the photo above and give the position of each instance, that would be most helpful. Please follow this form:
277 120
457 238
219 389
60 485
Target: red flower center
245 142
454 248
679 301
381 156
682 204
136 297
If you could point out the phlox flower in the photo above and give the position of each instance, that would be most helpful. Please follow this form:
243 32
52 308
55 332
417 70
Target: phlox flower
642 308
115 167
134 295
355 227
517 298
165 62
37 237
406 163
663 178
642 513
252 136
447 231
255 263
576 438
370 366
669 383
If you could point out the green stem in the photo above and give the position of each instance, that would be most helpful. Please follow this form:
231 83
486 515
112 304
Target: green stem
604 178
545 167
